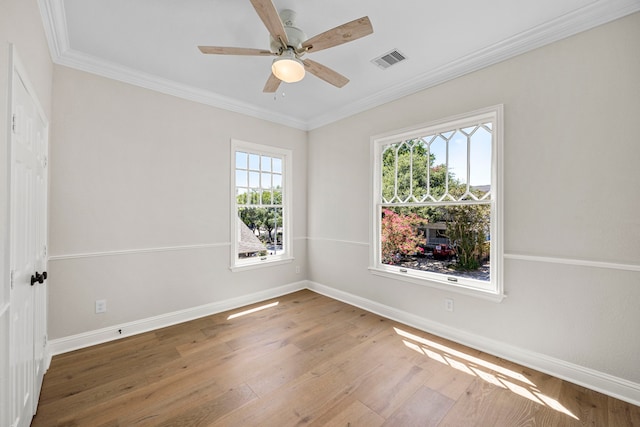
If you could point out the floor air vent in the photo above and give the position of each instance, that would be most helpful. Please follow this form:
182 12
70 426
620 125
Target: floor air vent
388 59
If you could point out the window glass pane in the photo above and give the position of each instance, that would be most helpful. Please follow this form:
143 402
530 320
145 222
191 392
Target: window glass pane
254 162
420 170
276 165
457 165
254 179
260 232
404 158
438 169
241 178
241 196
266 180
273 228
250 241
267 197
253 197
277 197
266 163
241 160
480 176
277 181
388 173
451 240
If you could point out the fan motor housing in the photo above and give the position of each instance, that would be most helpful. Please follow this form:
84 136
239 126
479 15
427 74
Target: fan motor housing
294 34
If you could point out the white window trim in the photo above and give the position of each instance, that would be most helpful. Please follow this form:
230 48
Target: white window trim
238 264
494 290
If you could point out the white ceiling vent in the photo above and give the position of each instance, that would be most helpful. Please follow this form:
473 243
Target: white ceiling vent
388 59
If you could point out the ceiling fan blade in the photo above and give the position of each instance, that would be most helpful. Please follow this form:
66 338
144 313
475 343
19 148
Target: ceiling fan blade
325 73
269 15
342 34
220 50
272 84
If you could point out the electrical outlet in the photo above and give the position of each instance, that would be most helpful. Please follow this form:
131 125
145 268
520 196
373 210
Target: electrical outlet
101 306
297 269
448 304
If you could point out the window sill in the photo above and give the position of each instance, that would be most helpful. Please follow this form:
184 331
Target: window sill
260 264
486 294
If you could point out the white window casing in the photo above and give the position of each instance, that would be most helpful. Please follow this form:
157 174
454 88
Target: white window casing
260 182
403 195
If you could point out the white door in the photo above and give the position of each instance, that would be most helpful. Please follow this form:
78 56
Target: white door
27 329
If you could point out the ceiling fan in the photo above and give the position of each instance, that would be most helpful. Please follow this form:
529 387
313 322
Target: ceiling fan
289 44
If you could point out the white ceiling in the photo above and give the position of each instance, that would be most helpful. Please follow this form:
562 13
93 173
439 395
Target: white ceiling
152 43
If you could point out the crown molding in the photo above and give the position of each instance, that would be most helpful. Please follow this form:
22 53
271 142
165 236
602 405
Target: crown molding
94 65
594 14
598 13
54 20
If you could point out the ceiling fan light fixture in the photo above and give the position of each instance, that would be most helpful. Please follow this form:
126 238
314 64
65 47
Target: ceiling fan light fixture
288 68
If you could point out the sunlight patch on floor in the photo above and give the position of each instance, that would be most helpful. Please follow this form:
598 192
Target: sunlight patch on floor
471 365
252 310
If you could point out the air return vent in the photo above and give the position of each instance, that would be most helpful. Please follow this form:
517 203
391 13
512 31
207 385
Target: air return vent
388 59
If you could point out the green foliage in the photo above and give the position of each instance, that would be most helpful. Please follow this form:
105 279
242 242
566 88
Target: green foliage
411 160
400 235
412 167
257 211
271 222
256 197
467 230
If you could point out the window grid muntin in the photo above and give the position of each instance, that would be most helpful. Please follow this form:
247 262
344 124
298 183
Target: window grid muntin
260 166
447 136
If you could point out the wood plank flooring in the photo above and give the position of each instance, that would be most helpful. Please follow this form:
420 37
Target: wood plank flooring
305 359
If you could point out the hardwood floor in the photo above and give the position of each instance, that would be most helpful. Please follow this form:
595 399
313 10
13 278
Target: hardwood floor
305 359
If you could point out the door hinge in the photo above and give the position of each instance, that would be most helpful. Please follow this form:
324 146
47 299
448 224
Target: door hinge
11 280
14 120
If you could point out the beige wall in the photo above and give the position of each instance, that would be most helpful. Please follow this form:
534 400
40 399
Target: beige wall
570 166
146 175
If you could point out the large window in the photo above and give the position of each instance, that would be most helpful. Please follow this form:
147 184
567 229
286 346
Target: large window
260 206
436 204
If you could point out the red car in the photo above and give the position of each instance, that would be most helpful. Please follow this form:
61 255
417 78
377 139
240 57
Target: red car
443 252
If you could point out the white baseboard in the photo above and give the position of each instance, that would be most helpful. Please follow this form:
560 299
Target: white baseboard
111 333
610 385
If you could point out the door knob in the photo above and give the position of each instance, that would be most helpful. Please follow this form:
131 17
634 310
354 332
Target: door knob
38 278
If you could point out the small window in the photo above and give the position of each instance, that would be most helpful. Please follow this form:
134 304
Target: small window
260 205
437 204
